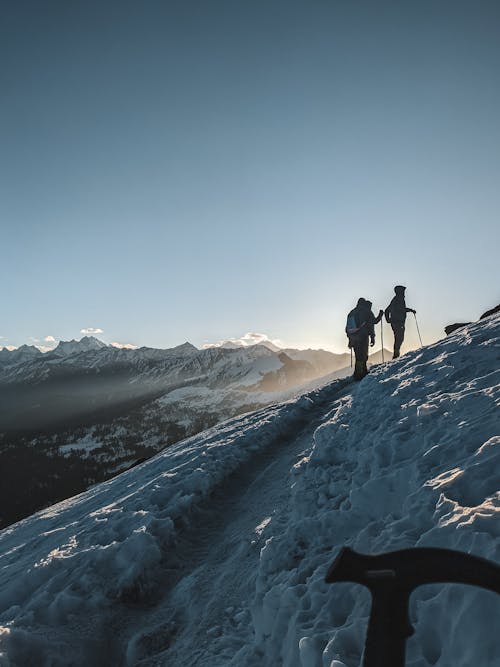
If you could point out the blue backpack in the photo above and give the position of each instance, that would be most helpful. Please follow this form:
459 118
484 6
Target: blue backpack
351 327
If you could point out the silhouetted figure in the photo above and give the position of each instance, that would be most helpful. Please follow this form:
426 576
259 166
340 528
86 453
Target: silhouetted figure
395 314
360 331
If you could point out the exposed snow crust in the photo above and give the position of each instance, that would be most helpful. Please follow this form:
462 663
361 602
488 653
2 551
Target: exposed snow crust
408 457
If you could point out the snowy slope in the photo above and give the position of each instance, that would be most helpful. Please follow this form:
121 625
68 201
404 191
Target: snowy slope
214 552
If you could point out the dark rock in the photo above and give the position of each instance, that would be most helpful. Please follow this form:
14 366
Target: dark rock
494 310
453 327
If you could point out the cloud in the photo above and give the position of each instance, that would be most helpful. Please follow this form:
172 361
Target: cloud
40 344
125 346
250 338
49 346
91 331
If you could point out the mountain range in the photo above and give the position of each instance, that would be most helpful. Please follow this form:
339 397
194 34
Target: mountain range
84 411
80 380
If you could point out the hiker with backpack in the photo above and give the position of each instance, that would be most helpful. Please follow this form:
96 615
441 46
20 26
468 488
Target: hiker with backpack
360 330
395 314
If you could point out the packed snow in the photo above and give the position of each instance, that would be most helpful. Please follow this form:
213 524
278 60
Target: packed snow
215 552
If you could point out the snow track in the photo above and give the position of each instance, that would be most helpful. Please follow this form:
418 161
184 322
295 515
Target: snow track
215 562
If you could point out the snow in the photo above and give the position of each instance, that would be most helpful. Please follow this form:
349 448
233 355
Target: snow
215 551
85 443
83 345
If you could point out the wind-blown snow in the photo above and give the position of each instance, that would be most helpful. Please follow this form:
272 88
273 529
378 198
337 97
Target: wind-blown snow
408 457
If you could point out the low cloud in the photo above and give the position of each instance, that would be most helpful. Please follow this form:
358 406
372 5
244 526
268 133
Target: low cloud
50 343
250 338
91 330
125 346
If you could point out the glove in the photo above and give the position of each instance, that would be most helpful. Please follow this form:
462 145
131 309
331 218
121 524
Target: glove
380 312
372 341
414 311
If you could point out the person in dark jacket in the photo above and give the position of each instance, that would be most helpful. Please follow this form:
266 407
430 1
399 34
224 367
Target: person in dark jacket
395 314
360 331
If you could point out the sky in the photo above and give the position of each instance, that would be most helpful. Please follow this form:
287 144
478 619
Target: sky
175 171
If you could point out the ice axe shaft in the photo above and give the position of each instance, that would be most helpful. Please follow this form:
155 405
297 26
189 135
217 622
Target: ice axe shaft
392 577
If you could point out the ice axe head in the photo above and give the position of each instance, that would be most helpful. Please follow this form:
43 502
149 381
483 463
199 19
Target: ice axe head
391 578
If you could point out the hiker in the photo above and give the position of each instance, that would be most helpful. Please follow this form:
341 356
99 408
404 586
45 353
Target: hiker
360 330
395 314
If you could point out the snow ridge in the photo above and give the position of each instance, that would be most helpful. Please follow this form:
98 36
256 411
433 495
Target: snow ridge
106 545
408 457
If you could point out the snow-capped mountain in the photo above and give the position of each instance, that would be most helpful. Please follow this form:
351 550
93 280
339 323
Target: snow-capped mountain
19 355
79 379
214 552
86 410
232 345
85 344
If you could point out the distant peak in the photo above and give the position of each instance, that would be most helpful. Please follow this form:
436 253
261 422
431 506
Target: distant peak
187 346
85 344
28 348
247 341
21 351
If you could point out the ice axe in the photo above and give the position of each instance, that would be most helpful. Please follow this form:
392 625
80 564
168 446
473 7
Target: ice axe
392 577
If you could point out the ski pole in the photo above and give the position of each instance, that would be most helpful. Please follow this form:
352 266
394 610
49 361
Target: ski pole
382 338
418 330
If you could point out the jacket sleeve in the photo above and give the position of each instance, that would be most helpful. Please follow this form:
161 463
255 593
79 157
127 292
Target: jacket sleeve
377 319
388 312
370 321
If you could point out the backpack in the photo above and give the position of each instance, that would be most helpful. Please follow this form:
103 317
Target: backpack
351 327
352 330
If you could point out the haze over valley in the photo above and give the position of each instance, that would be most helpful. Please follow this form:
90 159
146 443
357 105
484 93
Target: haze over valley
84 411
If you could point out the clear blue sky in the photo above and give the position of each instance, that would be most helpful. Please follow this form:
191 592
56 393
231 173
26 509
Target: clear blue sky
195 170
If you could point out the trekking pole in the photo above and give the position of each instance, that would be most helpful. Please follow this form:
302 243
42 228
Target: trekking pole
382 338
418 330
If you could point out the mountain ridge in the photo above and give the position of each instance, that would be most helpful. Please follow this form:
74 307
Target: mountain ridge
218 546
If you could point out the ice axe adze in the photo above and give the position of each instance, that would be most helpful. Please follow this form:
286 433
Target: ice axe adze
391 578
